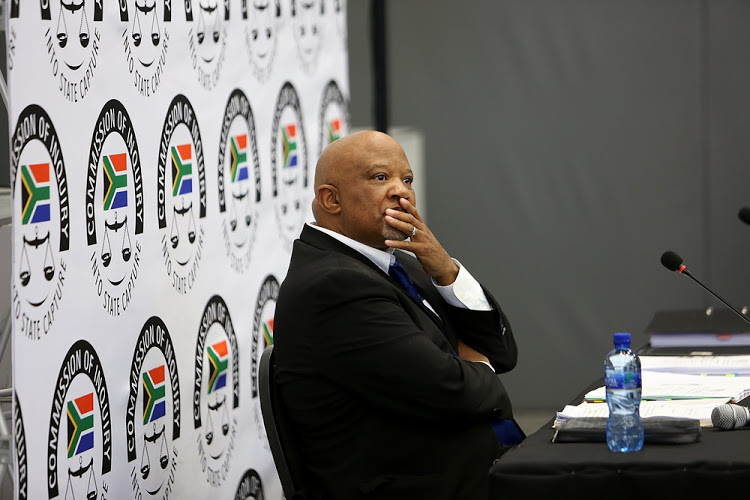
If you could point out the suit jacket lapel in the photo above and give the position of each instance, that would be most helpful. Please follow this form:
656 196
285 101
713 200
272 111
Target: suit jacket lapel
321 240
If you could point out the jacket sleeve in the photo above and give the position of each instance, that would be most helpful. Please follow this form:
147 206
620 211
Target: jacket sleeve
488 332
370 346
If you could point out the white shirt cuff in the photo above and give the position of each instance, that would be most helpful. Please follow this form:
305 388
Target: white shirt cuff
465 292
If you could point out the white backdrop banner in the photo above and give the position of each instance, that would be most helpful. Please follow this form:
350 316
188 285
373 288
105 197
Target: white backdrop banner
162 155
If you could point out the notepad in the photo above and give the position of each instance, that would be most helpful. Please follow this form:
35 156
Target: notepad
659 386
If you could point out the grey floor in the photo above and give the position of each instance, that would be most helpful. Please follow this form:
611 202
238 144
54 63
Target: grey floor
532 419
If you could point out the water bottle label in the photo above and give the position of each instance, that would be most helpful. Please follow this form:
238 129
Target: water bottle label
623 380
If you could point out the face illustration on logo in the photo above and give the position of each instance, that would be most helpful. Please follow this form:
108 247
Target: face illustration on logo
333 116
240 189
82 431
208 29
218 392
146 32
262 34
154 426
183 218
181 194
241 199
291 153
73 31
36 195
116 245
307 30
250 487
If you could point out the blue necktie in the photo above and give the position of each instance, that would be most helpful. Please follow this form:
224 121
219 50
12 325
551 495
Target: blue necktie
398 273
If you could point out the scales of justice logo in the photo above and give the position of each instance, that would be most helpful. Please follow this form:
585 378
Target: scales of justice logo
334 116
153 413
41 223
208 21
308 31
265 309
181 194
216 391
114 208
262 35
73 43
289 165
250 487
79 444
145 41
239 181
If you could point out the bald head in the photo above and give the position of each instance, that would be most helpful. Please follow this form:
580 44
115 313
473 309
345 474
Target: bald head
361 172
349 152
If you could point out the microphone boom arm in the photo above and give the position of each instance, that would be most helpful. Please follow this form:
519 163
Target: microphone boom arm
738 313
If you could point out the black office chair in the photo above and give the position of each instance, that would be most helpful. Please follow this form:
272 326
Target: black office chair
285 457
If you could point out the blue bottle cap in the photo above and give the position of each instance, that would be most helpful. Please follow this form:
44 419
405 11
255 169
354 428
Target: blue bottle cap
621 338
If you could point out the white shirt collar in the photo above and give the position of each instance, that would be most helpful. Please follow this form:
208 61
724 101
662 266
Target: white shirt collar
381 258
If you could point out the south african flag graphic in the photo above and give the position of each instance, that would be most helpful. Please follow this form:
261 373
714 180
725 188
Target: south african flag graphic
238 148
334 129
154 394
35 193
218 357
268 331
289 137
80 424
182 169
115 181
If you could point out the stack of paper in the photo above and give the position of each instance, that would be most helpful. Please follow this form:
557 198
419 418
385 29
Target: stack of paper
700 365
660 386
678 386
699 409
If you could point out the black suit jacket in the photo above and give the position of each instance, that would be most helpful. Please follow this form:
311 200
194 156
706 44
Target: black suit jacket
380 404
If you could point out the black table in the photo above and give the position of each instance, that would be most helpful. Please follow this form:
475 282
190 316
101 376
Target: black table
717 465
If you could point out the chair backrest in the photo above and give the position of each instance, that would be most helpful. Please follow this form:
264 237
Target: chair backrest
285 457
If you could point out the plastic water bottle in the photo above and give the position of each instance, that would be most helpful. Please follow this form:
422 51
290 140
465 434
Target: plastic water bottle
622 378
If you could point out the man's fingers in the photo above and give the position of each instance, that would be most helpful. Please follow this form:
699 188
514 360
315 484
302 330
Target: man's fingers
403 226
407 205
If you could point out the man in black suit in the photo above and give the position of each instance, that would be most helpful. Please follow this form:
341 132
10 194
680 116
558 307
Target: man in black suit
391 384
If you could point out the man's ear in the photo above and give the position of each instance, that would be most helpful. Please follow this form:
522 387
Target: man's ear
328 198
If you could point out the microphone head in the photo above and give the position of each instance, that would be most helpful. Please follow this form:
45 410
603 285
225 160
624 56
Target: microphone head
729 416
744 215
671 260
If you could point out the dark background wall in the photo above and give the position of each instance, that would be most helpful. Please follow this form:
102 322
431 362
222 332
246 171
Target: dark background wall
568 145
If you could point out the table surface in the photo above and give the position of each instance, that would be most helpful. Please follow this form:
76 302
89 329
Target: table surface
538 468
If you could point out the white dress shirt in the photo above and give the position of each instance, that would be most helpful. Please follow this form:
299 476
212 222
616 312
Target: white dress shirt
465 292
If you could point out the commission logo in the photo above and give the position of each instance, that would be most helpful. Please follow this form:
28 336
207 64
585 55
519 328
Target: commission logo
73 43
20 447
114 208
216 392
265 308
207 38
79 449
250 487
145 41
307 28
239 181
152 420
181 194
41 222
288 164
261 36
334 116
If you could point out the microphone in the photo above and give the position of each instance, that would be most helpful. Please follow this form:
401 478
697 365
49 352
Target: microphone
728 416
744 215
673 262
